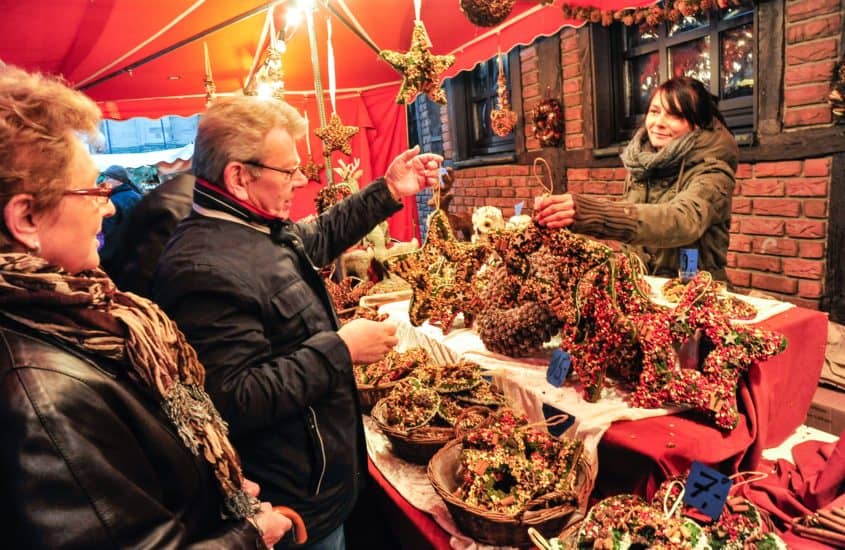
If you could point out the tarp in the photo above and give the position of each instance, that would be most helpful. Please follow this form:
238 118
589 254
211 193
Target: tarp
149 158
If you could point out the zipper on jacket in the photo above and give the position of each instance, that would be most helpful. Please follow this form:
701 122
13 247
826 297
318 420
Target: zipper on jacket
312 421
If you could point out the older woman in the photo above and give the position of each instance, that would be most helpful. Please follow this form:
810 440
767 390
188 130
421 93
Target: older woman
108 438
681 167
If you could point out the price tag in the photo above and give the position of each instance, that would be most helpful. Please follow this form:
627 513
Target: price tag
558 429
558 368
687 264
707 490
517 208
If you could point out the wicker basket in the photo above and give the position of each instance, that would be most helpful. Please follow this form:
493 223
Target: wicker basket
495 528
369 395
418 445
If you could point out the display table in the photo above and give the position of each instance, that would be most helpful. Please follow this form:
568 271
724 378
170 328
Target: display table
637 448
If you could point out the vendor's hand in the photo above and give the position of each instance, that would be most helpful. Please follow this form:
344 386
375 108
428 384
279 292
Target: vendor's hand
411 172
270 524
554 211
250 487
368 341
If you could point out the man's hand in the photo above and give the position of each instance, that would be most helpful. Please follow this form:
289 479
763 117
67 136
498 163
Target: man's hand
368 341
411 172
270 524
554 211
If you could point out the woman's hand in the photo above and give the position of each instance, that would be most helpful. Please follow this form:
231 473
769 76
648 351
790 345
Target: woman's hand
368 341
272 525
554 211
411 172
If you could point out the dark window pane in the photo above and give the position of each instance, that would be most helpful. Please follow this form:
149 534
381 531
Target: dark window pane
691 59
697 21
737 62
744 7
643 76
641 34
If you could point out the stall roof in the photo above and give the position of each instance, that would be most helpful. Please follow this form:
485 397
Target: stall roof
94 44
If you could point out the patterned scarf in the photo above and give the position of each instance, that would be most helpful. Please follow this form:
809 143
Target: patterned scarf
87 312
643 162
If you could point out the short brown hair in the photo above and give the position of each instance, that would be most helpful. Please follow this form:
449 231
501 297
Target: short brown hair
39 119
234 128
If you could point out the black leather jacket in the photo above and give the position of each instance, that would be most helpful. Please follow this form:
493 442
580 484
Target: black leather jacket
88 460
263 326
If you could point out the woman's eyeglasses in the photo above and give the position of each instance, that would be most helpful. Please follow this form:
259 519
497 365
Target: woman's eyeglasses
104 191
289 172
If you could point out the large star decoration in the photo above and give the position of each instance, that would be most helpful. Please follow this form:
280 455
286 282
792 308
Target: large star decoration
312 170
419 67
336 136
440 274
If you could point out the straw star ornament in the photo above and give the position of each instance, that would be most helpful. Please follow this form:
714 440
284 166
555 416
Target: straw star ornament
312 170
419 67
336 136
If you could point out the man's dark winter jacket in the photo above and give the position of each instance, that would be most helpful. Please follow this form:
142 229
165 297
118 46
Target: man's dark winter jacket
263 325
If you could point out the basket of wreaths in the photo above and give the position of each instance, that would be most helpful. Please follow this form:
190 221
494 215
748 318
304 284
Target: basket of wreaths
408 417
375 380
502 479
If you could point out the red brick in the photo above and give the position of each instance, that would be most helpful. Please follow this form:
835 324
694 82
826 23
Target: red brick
615 188
802 187
738 188
814 51
574 142
569 42
527 53
575 113
730 259
529 65
815 28
774 283
762 226
806 95
776 247
572 71
807 115
805 269
532 144
740 243
797 11
817 167
572 86
743 171
570 58
531 90
739 278
766 188
815 208
801 302
759 263
575 186
531 77
602 173
574 127
777 207
810 289
595 187
571 100
783 168
741 206
811 72
811 249
521 170
805 229
578 174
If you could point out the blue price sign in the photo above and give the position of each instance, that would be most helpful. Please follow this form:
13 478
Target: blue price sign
687 264
517 208
707 490
557 430
558 368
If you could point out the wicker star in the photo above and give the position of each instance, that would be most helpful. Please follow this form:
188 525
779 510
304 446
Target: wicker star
312 170
336 136
419 67
440 274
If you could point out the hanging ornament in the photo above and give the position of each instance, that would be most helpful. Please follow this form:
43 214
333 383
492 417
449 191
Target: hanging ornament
486 13
419 67
336 136
210 87
836 97
548 122
502 120
311 169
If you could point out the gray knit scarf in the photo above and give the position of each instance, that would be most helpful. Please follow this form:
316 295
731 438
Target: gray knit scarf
642 161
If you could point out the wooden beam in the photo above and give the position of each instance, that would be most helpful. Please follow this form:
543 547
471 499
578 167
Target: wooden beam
833 300
770 71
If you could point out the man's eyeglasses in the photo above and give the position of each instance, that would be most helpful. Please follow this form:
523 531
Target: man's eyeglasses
289 172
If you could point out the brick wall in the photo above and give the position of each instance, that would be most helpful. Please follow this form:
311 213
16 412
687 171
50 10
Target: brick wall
813 31
502 186
573 80
531 95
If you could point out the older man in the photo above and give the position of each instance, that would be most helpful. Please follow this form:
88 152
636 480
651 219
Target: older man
241 281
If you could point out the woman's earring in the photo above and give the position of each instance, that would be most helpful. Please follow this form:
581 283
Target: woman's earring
35 249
